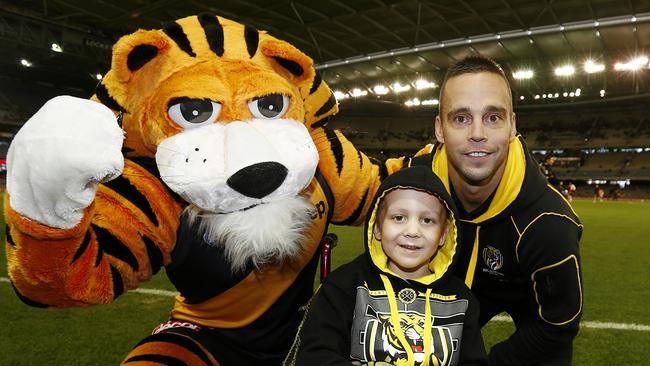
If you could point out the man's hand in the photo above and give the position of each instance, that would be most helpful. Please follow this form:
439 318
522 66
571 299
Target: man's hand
59 156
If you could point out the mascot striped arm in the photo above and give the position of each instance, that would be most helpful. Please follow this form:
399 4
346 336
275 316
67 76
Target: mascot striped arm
222 171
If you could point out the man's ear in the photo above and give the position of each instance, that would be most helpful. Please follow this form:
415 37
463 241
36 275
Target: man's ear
438 128
513 127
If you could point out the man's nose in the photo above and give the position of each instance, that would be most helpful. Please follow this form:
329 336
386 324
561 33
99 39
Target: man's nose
477 130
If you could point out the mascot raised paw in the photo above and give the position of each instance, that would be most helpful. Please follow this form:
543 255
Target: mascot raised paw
222 171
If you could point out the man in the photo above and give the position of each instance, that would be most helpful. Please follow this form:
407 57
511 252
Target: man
519 245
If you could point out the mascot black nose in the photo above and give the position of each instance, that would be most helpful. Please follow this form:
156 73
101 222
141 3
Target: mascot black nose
258 180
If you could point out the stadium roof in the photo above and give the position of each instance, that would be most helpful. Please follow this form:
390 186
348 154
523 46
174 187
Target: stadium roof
365 43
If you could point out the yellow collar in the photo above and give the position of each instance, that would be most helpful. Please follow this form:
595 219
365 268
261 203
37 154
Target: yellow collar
509 187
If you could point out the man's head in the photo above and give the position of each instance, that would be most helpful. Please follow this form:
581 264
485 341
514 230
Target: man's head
411 225
476 121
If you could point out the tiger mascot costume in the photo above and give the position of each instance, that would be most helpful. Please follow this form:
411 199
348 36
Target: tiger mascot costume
207 154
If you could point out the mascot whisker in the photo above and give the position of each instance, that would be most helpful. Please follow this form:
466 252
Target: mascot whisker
269 234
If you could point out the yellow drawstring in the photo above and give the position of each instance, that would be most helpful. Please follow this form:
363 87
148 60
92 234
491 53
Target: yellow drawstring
394 319
427 331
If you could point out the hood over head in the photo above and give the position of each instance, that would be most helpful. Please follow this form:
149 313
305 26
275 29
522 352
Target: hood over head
420 178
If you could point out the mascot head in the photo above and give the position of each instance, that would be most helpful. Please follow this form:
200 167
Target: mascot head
226 110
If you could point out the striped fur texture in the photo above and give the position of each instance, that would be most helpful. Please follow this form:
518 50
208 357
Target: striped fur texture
129 231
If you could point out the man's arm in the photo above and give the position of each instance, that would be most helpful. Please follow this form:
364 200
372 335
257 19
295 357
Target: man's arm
548 252
472 349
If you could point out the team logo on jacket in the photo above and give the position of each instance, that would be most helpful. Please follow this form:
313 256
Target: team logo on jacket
407 295
492 258
400 338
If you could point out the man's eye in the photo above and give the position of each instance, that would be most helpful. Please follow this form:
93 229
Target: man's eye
427 220
399 218
461 119
493 118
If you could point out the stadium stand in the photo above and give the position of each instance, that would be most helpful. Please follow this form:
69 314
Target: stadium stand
581 145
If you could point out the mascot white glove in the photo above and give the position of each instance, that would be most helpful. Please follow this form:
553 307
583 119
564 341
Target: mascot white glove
59 156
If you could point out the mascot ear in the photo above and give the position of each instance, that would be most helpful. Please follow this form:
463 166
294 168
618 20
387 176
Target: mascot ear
299 65
135 51
319 101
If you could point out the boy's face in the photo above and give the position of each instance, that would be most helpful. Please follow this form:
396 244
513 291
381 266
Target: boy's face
411 226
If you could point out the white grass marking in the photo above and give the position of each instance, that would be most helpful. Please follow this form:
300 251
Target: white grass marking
499 318
592 324
154 291
147 291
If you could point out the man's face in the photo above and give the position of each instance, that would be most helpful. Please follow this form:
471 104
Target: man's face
476 125
411 226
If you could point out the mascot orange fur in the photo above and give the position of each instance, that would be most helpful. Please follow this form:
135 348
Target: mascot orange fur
222 171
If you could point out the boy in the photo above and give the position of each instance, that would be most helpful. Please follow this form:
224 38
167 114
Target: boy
397 303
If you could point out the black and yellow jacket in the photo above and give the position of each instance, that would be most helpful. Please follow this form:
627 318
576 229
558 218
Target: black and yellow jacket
519 254
352 317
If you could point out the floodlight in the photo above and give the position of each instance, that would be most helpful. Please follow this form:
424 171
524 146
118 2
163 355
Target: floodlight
25 63
566 70
356 92
424 84
339 95
632 65
398 88
523 74
430 102
56 48
380 90
592 67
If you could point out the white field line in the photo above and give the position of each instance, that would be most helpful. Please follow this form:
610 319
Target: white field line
148 291
595 324
499 318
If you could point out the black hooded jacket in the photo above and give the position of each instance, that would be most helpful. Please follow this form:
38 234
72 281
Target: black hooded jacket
519 254
350 317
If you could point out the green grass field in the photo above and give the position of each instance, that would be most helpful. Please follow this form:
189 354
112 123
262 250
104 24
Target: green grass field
616 269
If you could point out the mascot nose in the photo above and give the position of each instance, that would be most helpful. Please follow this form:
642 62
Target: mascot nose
258 180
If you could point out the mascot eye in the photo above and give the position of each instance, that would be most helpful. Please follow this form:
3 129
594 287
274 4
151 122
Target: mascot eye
189 113
269 106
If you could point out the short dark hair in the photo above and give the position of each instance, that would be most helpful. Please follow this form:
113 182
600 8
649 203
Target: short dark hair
473 65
